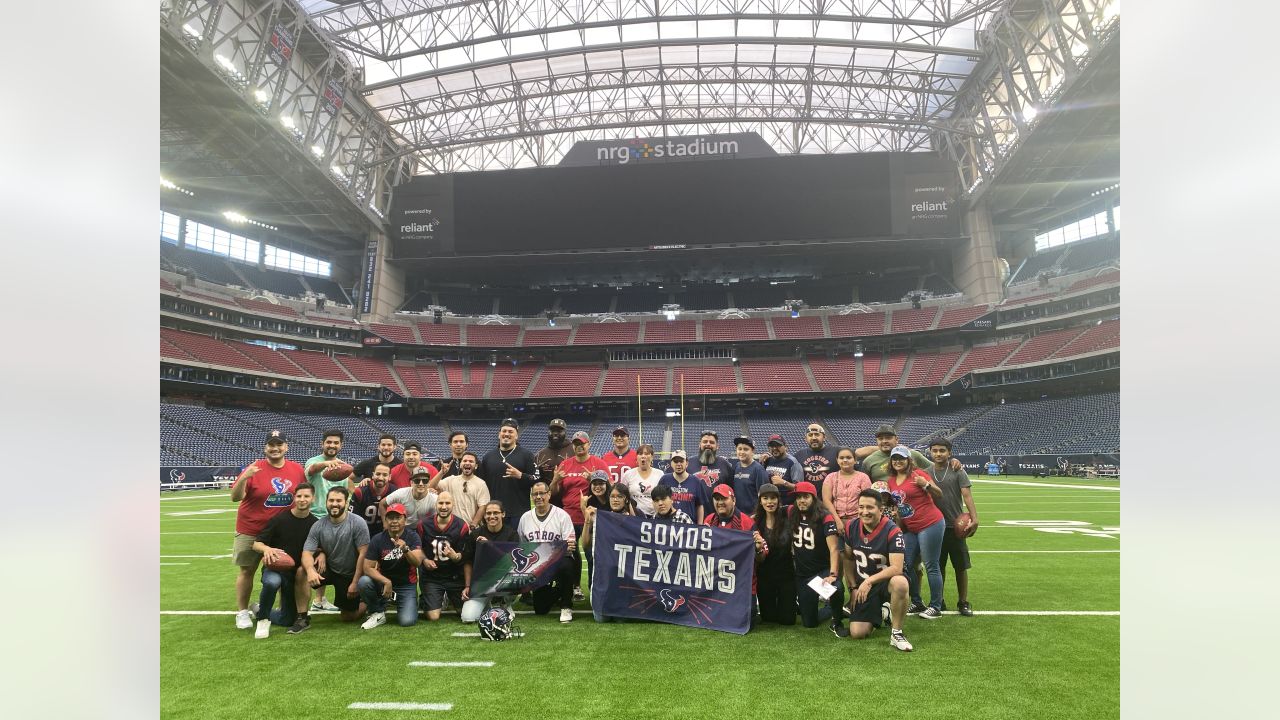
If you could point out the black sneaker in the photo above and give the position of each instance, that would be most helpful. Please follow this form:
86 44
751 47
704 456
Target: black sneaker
965 609
943 607
840 630
917 608
300 625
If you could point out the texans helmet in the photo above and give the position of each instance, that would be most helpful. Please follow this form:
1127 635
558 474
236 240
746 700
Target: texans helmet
495 624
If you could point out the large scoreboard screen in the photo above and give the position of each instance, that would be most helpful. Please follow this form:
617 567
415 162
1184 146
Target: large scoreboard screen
709 202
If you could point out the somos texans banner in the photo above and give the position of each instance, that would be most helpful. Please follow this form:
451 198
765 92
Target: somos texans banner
194 477
691 575
507 568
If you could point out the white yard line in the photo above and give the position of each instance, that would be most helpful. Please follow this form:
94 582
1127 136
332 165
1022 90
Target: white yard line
175 563
476 634
1038 613
198 532
438 707
1062 552
437 663
988 503
1044 485
203 557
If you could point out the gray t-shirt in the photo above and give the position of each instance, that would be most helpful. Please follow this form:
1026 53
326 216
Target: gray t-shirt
951 504
340 541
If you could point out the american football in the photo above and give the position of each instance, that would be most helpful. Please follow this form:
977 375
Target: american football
283 561
338 472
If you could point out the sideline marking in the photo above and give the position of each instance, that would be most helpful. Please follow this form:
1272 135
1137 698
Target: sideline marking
399 706
204 557
197 532
520 634
208 511
436 663
1068 552
175 563
476 634
1045 485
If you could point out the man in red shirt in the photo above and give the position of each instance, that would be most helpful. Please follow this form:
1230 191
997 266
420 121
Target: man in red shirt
571 481
264 489
621 458
402 474
727 515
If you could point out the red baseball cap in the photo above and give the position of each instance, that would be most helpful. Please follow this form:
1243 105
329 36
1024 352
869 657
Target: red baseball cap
725 491
804 486
396 508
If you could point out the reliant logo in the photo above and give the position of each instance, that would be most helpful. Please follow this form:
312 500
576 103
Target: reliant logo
929 207
638 150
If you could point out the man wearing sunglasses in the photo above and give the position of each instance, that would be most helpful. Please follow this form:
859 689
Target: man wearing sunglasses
418 499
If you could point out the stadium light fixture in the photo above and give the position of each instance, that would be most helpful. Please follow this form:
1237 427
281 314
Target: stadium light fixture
317 150
186 28
857 350
235 217
225 63
1029 113
169 184
262 96
287 121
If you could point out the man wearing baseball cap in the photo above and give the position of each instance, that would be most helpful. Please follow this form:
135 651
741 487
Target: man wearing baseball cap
391 570
264 490
688 493
571 480
621 458
748 475
819 459
509 470
783 468
418 499
556 451
401 474
875 458
728 516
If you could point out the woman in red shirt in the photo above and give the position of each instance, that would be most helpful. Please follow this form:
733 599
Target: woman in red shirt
923 526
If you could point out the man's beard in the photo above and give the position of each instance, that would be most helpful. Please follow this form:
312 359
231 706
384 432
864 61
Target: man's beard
331 455
707 456
335 512
555 442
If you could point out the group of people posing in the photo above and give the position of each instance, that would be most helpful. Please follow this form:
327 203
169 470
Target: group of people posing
404 530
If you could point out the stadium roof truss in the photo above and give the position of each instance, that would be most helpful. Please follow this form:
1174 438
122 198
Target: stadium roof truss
481 85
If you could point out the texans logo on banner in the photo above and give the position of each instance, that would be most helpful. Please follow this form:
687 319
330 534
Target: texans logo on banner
692 575
280 495
671 603
522 560
177 476
502 567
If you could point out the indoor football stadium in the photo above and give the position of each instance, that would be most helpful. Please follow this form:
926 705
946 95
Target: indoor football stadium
456 296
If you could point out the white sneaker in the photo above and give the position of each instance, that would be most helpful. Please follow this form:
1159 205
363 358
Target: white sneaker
244 619
899 641
263 630
566 615
375 619
324 605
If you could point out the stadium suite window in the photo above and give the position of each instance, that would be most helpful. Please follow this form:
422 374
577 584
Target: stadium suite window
169 227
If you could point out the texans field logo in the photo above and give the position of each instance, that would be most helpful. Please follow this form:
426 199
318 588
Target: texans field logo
670 603
523 559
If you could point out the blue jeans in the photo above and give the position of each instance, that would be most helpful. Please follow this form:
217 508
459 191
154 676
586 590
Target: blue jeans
406 599
925 546
273 583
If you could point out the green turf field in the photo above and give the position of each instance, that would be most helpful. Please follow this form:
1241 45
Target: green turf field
1023 655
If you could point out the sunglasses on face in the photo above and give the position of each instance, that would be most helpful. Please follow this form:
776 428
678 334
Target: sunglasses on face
421 481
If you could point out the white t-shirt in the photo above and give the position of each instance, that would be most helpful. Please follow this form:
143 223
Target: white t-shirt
555 526
418 510
642 488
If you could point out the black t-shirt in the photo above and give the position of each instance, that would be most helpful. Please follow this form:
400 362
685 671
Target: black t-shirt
392 561
506 533
513 492
809 542
288 533
365 469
